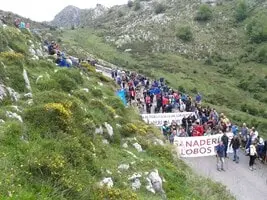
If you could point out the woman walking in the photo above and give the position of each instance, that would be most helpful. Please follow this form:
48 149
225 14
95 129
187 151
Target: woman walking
252 156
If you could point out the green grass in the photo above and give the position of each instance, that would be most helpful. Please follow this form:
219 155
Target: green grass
56 155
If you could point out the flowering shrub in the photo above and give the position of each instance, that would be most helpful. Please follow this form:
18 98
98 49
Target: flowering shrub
116 194
11 56
63 109
134 128
89 67
61 113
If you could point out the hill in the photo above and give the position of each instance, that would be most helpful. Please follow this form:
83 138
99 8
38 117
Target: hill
64 133
72 16
9 18
218 49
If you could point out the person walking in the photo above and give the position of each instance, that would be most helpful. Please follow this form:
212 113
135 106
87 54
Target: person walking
225 141
235 143
252 156
220 154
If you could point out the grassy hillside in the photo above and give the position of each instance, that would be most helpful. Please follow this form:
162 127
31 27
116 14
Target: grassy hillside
233 87
49 145
220 51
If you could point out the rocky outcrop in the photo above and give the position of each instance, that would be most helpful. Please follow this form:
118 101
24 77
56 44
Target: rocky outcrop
69 16
73 16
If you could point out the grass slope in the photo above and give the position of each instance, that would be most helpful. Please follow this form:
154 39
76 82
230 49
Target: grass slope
56 154
235 88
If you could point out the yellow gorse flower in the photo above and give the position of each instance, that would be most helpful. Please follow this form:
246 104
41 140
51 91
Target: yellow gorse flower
63 109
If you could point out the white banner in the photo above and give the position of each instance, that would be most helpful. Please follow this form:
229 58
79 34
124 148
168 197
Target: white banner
158 118
199 146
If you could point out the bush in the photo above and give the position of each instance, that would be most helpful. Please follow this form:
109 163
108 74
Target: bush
137 5
130 4
185 33
131 129
204 13
89 67
261 55
257 28
241 10
120 13
160 8
160 152
11 56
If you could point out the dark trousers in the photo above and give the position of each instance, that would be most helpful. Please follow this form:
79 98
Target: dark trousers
225 150
251 160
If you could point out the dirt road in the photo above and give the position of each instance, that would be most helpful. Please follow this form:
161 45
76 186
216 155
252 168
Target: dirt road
242 183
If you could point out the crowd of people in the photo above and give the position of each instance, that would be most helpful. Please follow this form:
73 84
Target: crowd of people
156 96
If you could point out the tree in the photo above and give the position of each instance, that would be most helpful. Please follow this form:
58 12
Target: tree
257 28
204 13
241 10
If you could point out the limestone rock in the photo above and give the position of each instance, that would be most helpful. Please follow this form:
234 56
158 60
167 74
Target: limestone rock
99 130
108 182
125 145
109 129
138 147
155 181
124 167
14 116
136 184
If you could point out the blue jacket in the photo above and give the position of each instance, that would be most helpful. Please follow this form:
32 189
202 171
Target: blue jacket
220 149
64 63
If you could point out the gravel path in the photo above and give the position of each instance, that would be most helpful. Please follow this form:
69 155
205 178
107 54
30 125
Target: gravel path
242 183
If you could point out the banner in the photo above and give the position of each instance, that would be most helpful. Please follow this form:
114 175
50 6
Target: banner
200 146
158 118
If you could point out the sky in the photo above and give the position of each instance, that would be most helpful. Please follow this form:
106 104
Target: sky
45 10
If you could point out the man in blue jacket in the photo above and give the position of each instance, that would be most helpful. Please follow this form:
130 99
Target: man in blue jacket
220 154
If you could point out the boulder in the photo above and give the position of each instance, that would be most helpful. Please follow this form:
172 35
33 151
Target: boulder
155 181
85 89
109 129
3 93
105 141
32 51
28 95
125 145
124 167
138 147
136 184
99 130
135 176
14 95
39 53
14 116
108 182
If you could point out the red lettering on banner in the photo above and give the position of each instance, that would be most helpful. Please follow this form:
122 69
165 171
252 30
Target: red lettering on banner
208 142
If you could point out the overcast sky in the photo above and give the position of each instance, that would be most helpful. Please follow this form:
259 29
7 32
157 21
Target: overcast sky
45 10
